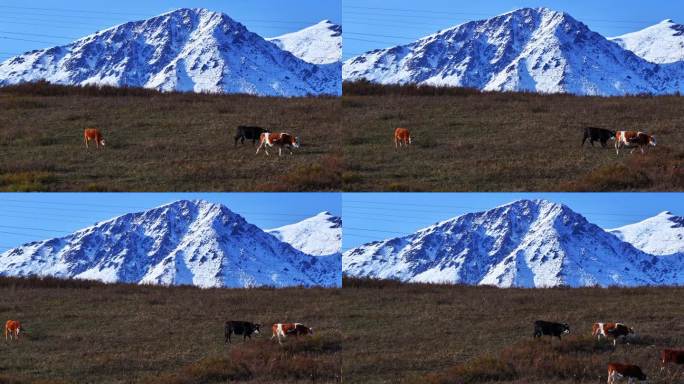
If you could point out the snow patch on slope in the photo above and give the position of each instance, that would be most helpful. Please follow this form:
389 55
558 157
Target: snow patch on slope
662 234
318 235
318 44
661 43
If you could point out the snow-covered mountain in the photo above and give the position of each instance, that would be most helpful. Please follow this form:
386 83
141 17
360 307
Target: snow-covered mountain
661 43
183 50
525 50
318 44
525 243
185 242
662 234
318 235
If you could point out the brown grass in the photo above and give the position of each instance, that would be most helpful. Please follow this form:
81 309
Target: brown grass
80 331
160 142
466 140
439 334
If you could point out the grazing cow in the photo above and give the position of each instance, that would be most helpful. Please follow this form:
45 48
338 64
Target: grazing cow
634 140
618 371
675 356
248 132
281 330
597 134
12 329
244 328
280 139
613 330
402 136
550 328
93 134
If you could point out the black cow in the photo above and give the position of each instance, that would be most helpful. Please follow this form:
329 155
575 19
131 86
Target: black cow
248 132
597 134
244 328
549 328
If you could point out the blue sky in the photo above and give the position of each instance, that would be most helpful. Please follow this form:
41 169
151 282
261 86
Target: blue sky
385 23
377 216
26 217
49 23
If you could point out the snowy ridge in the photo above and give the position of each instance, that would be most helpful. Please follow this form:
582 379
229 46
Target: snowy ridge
662 234
523 244
182 243
661 43
184 50
318 44
319 235
537 50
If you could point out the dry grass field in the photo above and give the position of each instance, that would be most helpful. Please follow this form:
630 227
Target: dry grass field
441 334
84 332
465 140
161 142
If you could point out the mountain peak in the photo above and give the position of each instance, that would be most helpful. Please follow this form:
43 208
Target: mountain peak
187 49
185 242
320 43
318 235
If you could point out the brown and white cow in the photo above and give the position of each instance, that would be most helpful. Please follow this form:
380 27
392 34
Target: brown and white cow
618 371
12 329
282 330
402 136
634 140
93 134
281 139
611 330
675 356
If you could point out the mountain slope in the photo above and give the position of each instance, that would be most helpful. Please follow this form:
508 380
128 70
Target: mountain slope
318 44
184 50
661 43
525 243
525 50
662 234
319 235
186 242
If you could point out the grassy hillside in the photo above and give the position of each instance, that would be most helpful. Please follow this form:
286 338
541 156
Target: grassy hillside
417 333
82 332
465 140
161 142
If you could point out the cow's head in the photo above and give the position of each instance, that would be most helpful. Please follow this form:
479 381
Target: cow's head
310 330
652 140
102 142
257 328
295 142
566 328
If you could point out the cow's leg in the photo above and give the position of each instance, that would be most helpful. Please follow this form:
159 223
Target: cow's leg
261 144
86 143
280 150
617 147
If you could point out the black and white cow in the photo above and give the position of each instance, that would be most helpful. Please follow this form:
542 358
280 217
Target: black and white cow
244 328
597 134
248 132
549 328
